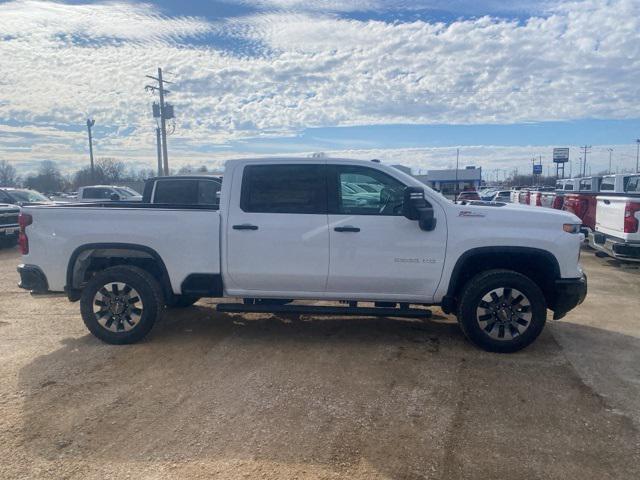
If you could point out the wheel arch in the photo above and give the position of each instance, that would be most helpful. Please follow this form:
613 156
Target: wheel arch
539 265
113 253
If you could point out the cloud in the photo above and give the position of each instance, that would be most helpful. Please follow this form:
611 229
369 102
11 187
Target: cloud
314 67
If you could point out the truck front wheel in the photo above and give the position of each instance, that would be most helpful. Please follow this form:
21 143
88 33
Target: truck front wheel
121 304
501 311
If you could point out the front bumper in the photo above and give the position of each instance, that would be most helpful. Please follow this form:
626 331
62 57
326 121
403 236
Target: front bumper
614 247
569 293
32 278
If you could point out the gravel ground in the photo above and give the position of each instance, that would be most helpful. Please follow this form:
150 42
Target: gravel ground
229 396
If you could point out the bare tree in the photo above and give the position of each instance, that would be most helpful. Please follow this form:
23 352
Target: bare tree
8 174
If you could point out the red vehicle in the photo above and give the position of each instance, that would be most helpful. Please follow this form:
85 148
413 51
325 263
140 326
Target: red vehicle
582 202
524 197
468 195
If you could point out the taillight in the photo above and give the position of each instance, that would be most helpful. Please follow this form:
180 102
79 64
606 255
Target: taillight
630 220
24 220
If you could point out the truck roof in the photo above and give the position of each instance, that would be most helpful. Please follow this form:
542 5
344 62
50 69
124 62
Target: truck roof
305 160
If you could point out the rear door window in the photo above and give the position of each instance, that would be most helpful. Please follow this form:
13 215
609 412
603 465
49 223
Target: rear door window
284 189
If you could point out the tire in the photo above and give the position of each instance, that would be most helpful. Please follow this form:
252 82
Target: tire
181 301
109 308
501 311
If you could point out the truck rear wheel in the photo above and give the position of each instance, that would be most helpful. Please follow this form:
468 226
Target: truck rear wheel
501 311
121 304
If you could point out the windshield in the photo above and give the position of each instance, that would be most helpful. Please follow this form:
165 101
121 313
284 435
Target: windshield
28 196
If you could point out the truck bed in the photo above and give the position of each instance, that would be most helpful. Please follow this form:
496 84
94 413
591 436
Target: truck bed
186 238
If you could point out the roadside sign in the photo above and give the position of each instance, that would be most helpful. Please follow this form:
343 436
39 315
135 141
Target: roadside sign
537 169
560 155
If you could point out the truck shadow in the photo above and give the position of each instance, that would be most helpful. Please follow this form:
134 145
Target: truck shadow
357 397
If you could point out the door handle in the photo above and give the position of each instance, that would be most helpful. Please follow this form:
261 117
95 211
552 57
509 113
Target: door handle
607 202
245 226
347 229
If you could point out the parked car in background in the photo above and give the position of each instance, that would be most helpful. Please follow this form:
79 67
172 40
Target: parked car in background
502 196
515 194
9 227
617 225
524 196
21 196
101 193
487 194
535 195
562 186
468 195
283 231
582 201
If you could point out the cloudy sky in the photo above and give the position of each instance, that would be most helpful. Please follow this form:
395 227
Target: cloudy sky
404 81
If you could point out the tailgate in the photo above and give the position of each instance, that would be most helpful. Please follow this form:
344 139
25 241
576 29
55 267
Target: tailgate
610 215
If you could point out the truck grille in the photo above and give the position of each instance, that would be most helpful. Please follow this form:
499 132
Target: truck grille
9 218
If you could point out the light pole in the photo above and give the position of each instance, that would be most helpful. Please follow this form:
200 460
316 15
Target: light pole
610 152
91 123
638 155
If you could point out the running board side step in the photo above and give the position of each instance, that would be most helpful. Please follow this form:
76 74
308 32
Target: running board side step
323 310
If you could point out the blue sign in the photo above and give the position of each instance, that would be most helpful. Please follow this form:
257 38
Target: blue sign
537 169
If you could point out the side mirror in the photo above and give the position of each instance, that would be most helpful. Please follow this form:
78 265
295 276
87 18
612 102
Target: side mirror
115 197
427 220
413 202
416 207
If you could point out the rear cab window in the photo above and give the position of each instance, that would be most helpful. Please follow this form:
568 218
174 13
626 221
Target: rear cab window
608 184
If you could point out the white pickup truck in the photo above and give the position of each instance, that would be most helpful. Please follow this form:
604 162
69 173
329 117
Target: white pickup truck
286 230
617 217
102 193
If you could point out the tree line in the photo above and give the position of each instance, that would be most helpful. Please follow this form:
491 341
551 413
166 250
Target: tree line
107 171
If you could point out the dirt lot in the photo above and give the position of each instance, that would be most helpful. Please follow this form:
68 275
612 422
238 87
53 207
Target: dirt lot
230 397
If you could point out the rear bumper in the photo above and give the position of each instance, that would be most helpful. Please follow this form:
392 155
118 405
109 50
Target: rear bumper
615 247
32 278
569 293
9 231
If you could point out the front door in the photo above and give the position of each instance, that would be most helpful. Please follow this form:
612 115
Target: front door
277 237
377 253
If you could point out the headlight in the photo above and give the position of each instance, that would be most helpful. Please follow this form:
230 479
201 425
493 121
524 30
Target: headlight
571 227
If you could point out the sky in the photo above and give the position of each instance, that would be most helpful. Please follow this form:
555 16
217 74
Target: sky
403 81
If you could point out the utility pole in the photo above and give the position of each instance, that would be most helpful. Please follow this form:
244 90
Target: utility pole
91 123
165 112
638 155
159 150
610 152
457 163
585 149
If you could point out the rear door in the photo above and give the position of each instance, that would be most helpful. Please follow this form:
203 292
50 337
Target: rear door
277 235
377 253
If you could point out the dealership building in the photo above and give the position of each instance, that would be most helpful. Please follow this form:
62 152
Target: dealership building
444 181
